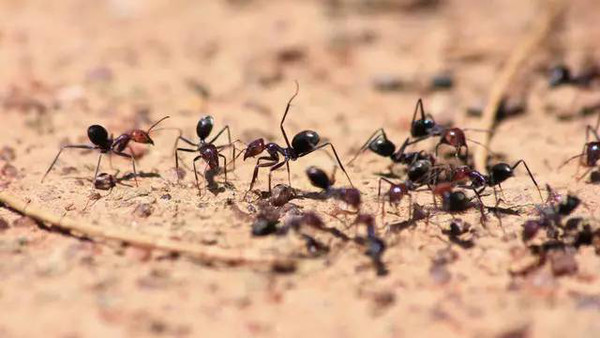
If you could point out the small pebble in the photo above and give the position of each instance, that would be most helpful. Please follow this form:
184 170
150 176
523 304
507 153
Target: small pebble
143 210
104 181
281 194
7 154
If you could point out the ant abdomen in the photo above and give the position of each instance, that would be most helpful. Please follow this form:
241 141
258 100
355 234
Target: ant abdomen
204 126
318 178
383 147
305 141
98 136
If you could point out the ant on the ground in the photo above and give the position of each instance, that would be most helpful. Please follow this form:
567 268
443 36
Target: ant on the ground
395 194
107 145
206 149
304 143
319 179
590 154
561 75
375 245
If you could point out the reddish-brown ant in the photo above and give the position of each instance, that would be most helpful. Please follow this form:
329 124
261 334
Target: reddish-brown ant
591 150
319 179
206 149
304 143
395 194
107 145
375 245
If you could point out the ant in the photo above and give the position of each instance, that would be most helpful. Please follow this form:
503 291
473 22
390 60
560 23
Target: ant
426 127
590 154
382 146
303 143
395 194
319 179
107 145
375 245
562 75
551 215
206 149
498 173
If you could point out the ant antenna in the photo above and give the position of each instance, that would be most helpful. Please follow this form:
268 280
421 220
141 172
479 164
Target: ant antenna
156 123
419 105
569 160
287 108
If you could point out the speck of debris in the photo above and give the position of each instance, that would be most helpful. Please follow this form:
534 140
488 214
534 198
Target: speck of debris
7 154
166 197
9 171
281 195
387 83
3 224
24 221
104 181
563 262
143 210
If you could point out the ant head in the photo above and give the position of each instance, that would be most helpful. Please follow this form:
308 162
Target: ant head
141 136
454 137
500 172
455 201
461 173
559 75
382 146
318 178
211 155
567 206
305 141
397 192
98 135
204 127
254 148
418 170
592 152
422 127
351 196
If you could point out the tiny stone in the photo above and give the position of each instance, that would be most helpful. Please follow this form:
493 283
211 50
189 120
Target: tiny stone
7 154
24 221
143 210
104 181
9 171
281 195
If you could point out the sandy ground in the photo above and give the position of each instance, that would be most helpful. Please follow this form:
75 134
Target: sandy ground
68 64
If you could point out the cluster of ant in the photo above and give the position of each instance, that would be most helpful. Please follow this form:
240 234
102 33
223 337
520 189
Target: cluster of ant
424 171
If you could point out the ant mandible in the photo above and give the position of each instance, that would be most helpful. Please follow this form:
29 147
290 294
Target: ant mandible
107 145
303 143
206 149
590 154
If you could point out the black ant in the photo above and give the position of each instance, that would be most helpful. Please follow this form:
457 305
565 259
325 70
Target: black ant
562 75
590 154
498 173
382 146
375 245
551 215
107 145
304 143
206 149
319 179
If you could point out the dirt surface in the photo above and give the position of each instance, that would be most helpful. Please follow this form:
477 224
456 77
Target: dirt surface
361 65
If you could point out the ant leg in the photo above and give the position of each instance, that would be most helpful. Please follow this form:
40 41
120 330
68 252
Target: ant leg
273 168
376 134
261 165
584 174
97 167
531 176
287 165
224 165
287 109
418 107
379 186
594 131
336 157
196 174
232 145
228 140
436 148
177 159
132 164
60 151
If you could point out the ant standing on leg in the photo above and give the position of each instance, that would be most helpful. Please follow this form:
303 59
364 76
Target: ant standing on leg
590 154
206 149
107 145
304 143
